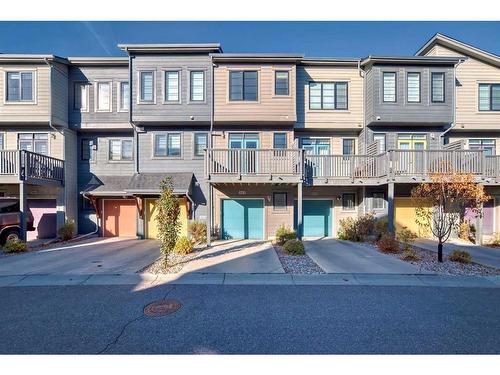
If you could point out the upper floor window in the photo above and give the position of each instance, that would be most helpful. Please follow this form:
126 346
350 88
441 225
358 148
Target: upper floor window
380 139
488 145
437 87
489 96
35 142
197 86
413 87
348 146
124 96
200 143
121 149
104 96
281 83
88 148
172 85
327 95
243 85
279 140
20 86
167 144
81 96
389 87
146 86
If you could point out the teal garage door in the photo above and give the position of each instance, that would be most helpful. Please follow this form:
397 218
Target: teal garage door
317 218
242 218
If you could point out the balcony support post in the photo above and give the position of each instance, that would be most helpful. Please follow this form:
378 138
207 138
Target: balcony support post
23 209
209 215
479 227
299 210
390 207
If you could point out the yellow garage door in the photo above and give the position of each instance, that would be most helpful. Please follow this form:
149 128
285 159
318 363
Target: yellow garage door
405 215
150 218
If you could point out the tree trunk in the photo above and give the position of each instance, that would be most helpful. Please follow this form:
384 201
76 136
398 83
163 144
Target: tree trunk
440 251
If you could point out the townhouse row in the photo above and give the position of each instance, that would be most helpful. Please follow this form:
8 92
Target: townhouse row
251 141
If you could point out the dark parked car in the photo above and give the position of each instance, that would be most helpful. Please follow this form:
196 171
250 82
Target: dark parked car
10 219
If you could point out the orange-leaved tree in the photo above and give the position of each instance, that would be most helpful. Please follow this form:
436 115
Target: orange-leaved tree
448 194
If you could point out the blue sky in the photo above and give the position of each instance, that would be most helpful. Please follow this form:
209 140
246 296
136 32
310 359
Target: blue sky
339 39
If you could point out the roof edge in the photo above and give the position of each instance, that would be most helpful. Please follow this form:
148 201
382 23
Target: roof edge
171 48
81 61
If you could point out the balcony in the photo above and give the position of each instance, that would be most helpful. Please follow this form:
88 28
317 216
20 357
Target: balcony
254 165
31 167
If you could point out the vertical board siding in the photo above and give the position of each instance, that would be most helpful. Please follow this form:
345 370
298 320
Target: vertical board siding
71 175
59 89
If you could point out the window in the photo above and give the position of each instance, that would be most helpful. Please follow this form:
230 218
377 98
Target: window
327 95
437 87
200 143
120 149
488 145
279 201
146 93
35 142
281 83
378 201
2 141
172 86
489 97
81 97
316 146
104 96
348 202
167 145
124 96
389 87
279 140
197 86
20 86
413 87
348 146
380 139
88 147
243 85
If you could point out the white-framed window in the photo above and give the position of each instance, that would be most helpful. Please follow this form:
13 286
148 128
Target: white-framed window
437 87
413 87
200 143
34 142
348 146
348 202
167 145
121 149
281 82
20 86
279 201
2 141
378 201
88 147
172 86
389 87
489 97
146 86
197 86
103 96
486 145
81 96
327 95
123 96
380 139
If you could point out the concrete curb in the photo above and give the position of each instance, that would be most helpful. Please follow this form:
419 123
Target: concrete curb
145 280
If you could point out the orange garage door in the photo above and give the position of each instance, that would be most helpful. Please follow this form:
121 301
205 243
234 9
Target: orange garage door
119 218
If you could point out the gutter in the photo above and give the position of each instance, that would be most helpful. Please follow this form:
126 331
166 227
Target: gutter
96 223
130 101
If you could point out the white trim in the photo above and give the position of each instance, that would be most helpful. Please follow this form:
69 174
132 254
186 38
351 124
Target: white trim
275 69
87 98
119 96
34 100
109 140
166 133
164 86
221 212
96 95
138 93
204 71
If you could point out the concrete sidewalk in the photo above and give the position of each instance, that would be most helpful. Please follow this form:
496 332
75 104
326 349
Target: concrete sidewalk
145 281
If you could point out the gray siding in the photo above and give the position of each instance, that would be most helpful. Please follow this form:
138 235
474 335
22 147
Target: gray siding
59 99
403 112
91 75
71 175
159 112
391 135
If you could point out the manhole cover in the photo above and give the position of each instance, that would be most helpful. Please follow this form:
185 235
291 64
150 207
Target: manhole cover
162 308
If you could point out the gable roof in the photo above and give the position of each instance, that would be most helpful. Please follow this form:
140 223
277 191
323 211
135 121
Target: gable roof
460 47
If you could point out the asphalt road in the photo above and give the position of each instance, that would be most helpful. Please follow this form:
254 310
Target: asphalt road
250 319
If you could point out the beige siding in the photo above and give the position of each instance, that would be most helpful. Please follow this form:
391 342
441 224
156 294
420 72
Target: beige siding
483 135
335 139
268 107
266 136
56 140
470 74
352 118
37 111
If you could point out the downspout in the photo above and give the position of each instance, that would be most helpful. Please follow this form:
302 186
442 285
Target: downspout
453 124
96 223
130 101
190 199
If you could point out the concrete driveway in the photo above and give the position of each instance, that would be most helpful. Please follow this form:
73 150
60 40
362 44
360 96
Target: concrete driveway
243 256
337 256
488 256
94 255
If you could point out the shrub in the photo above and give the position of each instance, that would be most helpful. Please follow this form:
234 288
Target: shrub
407 237
410 254
183 246
294 247
495 241
15 246
284 234
380 227
388 244
356 229
67 231
167 218
347 229
460 256
198 231
466 231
